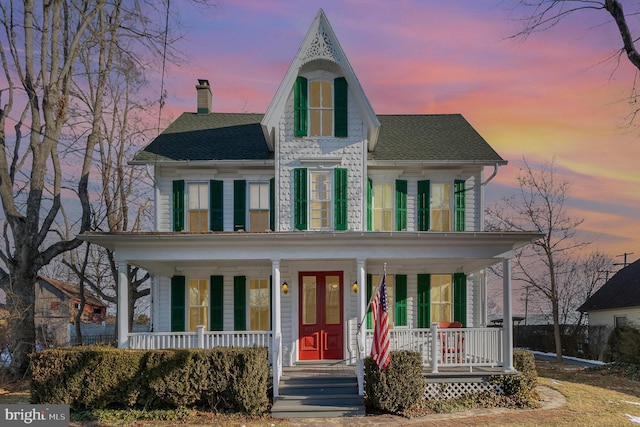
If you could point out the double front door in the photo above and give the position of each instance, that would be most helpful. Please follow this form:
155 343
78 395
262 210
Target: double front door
321 331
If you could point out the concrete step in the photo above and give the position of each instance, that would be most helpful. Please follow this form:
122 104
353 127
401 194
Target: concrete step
308 407
307 390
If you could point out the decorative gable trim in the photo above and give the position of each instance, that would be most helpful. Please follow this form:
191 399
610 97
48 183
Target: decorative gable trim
320 42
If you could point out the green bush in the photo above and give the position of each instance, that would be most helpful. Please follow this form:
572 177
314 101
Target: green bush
623 345
400 387
520 389
232 379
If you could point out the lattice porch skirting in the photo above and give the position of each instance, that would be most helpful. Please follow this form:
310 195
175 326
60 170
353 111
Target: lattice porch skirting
453 390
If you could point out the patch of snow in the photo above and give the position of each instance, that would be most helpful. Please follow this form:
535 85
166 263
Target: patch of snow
631 403
633 419
577 359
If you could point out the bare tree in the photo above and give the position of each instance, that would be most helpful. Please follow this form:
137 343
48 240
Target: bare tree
41 49
541 205
544 14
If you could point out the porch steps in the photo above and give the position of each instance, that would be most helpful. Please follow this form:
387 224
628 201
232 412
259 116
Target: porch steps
318 391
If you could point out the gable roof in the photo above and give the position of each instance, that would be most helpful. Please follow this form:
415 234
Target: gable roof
622 290
72 291
229 136
214 136
433 138
320 43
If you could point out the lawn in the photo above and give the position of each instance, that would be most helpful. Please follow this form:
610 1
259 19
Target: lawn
594 398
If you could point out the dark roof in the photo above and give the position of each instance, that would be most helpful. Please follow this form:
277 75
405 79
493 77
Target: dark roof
72 291
622 290
431 137
232 136
215 136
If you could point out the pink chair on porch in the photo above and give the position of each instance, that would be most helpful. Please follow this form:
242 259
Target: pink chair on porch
452 344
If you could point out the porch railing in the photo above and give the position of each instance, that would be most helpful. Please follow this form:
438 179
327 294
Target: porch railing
454 346
200 339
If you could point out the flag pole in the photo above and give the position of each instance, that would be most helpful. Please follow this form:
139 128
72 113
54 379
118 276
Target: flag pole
373 294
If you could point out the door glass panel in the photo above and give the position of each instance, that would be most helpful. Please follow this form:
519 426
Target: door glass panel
309 300
332 300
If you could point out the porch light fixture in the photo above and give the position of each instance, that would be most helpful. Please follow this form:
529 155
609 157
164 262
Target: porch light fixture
285 288
354 287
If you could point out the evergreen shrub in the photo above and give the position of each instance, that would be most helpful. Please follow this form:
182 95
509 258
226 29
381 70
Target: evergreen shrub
400 387
232 379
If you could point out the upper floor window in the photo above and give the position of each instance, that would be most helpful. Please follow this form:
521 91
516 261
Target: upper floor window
320 199
259 206
382 207
441 206
320 107
198 206
387 206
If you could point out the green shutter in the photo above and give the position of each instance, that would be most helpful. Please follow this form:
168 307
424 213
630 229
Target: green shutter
216 303
401 205
340 216
460 298
215 206
239 204
178 205
239 303
178 304
272 204
401 300
369 293
459 201
340 90
300 106
424 300
369 204
423 205
300 198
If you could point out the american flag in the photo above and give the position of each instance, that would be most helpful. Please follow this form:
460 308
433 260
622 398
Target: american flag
380 309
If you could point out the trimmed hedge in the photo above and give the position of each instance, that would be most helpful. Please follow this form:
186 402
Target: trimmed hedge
520 389
623 345
234 379
400 387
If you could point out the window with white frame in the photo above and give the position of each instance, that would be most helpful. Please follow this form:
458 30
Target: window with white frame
383 201
198 206
320 198
390 295
198 299
320 108
259 305
441 298
258 206
441 207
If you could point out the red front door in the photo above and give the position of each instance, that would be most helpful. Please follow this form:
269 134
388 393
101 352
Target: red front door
321 316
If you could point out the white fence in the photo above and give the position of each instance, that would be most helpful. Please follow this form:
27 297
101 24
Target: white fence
454 346
200 339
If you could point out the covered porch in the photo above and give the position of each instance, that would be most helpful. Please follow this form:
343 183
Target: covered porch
168 254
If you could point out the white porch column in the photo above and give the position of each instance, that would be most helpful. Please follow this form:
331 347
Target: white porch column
123 305
276 326
507 316
361 338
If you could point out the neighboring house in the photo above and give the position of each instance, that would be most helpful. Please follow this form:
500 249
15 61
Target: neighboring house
273 229
616 303
56 306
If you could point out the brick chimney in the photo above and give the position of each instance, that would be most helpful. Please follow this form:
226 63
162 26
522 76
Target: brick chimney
204 96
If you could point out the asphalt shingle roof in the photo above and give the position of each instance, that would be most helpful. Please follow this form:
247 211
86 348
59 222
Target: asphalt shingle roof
234 136
622 290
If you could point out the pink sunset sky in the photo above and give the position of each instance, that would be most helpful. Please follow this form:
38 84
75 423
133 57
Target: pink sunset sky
558 95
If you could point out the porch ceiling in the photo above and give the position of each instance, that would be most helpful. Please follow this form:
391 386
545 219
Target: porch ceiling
437 251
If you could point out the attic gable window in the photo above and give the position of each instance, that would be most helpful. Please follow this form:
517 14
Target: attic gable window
320 107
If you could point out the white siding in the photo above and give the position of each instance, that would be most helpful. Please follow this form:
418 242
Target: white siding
607 317
332 152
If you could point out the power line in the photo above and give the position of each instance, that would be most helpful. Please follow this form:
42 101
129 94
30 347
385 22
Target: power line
164 61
